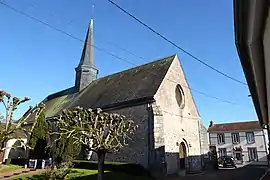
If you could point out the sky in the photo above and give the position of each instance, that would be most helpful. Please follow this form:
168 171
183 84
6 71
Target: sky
36 61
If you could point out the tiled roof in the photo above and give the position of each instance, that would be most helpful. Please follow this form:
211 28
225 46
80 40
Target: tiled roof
132 84
237 126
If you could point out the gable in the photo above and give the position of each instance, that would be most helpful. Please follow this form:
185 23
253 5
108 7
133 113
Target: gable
168 96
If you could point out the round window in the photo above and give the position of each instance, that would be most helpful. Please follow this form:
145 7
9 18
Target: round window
180 97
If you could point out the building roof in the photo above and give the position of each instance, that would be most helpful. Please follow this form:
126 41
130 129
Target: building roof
136 83
237 126
249 26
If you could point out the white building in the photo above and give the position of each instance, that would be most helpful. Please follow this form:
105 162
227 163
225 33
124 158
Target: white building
14 153
245 141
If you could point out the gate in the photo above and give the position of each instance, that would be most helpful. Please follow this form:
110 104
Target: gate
194 164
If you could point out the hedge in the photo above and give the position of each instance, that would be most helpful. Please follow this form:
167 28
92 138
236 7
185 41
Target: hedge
130 169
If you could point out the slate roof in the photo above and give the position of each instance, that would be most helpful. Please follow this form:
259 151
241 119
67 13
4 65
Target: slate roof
237 126
135 83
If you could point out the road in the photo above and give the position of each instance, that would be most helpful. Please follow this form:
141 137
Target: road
248 172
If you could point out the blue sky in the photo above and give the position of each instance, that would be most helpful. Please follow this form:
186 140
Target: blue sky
36 60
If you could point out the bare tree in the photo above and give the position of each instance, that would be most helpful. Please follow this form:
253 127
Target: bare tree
10 127
98 131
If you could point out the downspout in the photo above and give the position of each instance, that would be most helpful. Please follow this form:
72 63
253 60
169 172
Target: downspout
265 145
199 128
150 134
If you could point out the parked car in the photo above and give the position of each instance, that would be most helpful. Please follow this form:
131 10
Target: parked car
226 161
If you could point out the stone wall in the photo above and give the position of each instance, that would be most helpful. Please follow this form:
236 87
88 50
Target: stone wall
137 150
203 139
157 142
180 124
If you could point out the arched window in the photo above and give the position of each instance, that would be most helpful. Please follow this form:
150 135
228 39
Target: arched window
180 96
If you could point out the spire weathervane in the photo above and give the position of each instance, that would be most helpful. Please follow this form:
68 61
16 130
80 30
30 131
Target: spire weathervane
92 13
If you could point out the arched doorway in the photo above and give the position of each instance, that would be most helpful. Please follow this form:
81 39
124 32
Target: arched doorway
182 155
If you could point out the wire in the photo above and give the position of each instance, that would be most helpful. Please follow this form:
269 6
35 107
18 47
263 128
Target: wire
108 42
105 51
187 117
175 45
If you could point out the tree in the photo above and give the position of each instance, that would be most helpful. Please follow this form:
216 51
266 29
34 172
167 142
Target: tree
40 138
66 150
98 131
9 127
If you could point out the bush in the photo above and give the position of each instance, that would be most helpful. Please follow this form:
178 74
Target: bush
20 162
130 169
7 162
66 150
59 173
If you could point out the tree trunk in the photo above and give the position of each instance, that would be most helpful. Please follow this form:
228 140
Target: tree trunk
101 157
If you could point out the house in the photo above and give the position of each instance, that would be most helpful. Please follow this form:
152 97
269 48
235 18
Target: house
245 141
252 39
154 95
13 148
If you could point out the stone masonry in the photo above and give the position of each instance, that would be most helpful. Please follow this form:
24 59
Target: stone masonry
178 122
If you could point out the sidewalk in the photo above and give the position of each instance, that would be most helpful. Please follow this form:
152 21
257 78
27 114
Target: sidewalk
10 174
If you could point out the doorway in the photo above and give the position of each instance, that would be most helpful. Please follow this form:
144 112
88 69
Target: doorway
182 155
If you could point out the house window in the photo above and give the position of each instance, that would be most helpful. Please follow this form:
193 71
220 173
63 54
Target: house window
220 138
222 152
235 138
250 137
252 154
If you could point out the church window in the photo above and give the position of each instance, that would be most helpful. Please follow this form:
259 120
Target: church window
180 97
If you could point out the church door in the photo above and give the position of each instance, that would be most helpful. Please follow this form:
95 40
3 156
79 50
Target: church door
182 155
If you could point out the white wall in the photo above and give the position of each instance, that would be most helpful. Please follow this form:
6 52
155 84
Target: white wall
260 143
9 145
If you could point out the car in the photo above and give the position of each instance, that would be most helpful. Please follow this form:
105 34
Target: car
226 161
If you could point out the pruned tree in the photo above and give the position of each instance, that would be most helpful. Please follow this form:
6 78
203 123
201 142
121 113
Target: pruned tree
9 128
98 131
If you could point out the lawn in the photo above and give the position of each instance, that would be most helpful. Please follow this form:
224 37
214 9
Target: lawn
10 167
83 174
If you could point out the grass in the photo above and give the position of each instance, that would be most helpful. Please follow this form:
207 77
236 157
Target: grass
85 174
10 167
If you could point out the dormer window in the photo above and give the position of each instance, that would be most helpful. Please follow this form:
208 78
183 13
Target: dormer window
180 96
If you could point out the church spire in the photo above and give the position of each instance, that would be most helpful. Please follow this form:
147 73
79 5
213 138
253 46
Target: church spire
86 71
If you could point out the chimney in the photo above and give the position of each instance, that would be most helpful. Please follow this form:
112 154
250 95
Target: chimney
211 124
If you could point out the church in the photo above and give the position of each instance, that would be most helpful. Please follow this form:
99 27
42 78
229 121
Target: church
154 95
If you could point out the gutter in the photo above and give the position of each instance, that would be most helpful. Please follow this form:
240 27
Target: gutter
249 17
121 105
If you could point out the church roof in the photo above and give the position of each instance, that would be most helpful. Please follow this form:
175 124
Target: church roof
136 83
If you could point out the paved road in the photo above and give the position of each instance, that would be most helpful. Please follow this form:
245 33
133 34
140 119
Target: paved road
249 172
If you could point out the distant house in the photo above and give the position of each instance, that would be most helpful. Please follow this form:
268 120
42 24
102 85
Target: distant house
10 151
245 141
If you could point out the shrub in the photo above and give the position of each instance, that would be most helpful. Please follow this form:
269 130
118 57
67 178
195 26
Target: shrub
7 162
58 173
20 162
66 150
130 169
